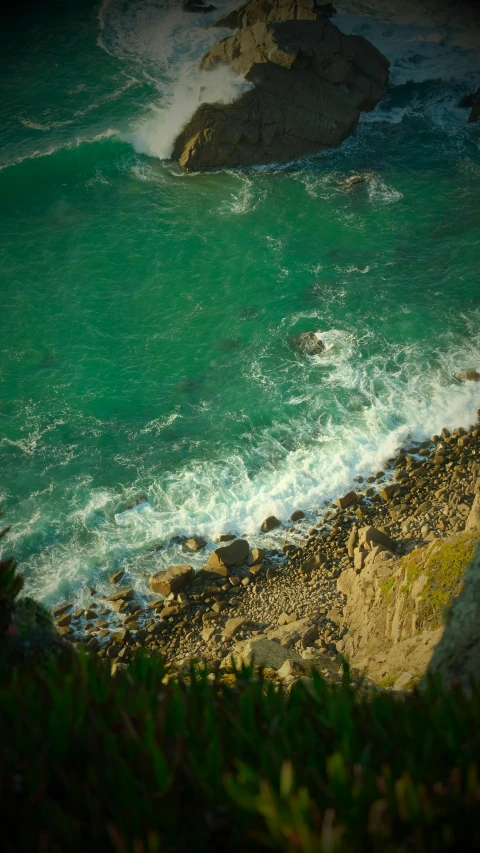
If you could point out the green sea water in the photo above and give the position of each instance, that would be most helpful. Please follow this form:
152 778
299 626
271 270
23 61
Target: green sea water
147 316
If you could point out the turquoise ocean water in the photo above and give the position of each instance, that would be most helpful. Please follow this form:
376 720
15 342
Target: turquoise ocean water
146 316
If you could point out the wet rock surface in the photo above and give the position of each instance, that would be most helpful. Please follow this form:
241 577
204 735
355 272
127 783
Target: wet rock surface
309 84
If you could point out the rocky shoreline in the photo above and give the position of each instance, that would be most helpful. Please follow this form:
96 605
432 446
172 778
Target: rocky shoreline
326 594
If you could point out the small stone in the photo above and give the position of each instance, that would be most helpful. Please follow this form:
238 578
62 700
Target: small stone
219 606
226 537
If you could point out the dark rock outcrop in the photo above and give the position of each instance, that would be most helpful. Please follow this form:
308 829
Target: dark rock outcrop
197 6
274 10
309 84
475 111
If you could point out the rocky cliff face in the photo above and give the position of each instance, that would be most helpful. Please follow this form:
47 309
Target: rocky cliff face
395 607
309 84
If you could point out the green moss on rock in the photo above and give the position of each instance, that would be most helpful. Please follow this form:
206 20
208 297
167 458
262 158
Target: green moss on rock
445 570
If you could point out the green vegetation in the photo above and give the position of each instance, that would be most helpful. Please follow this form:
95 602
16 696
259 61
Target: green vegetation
145 763
387 587
444 569
132 763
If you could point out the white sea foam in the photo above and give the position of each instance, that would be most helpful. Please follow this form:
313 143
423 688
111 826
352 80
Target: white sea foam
381 410
167 43
68 144
156 135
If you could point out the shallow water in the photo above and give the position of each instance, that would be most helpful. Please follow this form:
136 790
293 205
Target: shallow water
147 316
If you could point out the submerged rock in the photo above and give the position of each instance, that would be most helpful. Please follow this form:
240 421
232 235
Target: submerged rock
309 84
354 181
467 376
308 343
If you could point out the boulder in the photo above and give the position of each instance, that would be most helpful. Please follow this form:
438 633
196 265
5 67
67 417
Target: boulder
124 594
270 523
229 555
226 537
236 624
309 84
289 634
308 343
370 536
313 563
170 580
388 492
196 543
256 556
274 10
297 515
262 652
347 500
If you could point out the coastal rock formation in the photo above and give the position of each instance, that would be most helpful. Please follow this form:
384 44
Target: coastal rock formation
457 656
309 84
393 616
274 10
